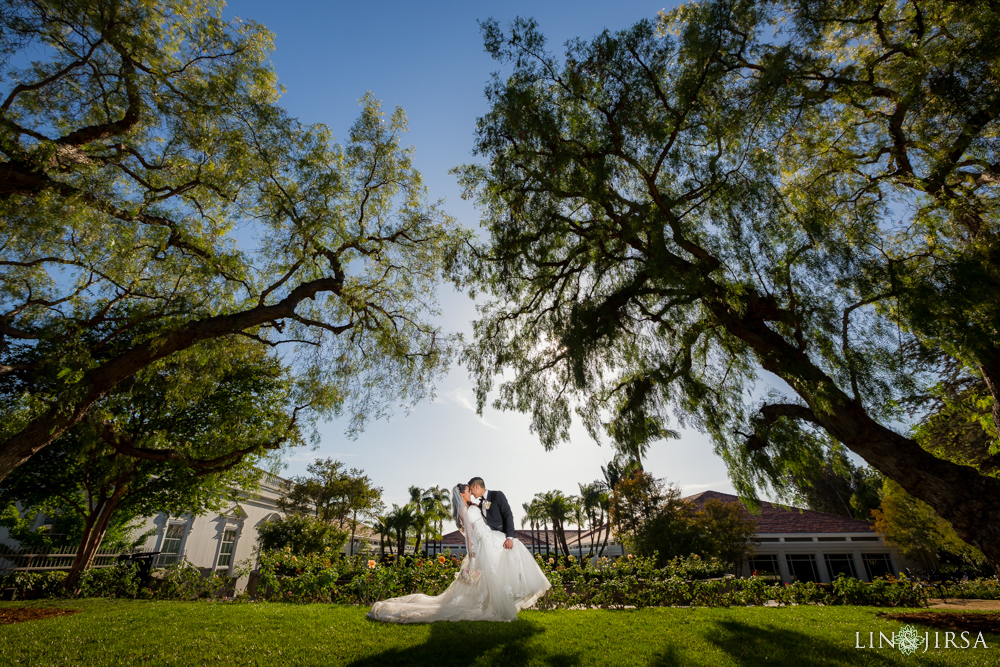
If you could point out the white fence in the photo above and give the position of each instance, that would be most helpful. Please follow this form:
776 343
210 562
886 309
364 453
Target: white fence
28 560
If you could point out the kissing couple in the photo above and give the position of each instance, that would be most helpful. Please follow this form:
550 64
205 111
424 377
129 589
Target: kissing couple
498 576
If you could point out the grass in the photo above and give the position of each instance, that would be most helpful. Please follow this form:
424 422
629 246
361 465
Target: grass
125 632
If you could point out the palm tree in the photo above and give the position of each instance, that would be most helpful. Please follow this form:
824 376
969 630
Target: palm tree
400 521
529 518
543 516
436 503
381 525
419 516
604 503
618 468
590 495
579 516
559 509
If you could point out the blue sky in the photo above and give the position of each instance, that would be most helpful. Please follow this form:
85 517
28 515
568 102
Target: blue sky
428 58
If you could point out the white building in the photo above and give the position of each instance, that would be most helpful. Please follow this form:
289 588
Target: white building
216 542
803 545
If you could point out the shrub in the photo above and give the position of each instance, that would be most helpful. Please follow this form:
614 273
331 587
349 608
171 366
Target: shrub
36 585
301 535
291 577
121 580
982 589
184 581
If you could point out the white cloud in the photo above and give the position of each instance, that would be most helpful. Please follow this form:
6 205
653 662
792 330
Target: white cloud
463 399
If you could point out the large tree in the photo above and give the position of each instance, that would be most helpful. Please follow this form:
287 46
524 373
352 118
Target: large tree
840 487
335 494
687 210
149 179
181 438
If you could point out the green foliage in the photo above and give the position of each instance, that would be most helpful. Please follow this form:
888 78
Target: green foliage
625 582
331 489
289 577
917 530
178 439
300 535
117 581
139 141
183 581
637 582
19 528
676 210
840 487
974 589
654 521
369 580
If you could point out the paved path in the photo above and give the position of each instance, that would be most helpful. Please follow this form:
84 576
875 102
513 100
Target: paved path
968 605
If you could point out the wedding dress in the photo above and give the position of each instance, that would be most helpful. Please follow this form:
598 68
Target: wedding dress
493 584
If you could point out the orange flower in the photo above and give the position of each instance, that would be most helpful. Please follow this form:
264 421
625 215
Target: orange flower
371 564
442 559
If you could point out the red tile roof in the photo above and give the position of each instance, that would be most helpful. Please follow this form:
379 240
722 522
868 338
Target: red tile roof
772 519
775 519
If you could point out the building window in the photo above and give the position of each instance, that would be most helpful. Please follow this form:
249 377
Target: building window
802 567
798 539
226 551
840 564
766 566
171 546
865 539
877 565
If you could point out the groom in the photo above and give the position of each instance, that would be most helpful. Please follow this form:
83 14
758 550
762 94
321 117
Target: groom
495 510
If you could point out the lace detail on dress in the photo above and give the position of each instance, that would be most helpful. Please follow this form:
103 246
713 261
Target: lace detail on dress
490 586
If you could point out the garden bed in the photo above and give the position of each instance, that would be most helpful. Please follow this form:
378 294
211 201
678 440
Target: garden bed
982 621
11 615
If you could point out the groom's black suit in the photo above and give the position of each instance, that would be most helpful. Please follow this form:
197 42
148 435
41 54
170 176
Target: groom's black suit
498 516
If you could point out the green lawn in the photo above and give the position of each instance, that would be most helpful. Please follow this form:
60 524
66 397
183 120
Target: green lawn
121 633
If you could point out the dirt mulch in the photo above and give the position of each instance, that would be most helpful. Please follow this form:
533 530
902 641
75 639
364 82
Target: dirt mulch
988 622
11 615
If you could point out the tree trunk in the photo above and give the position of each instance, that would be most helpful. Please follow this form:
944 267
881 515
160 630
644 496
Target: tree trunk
67 410
607 534
961 495
354 528
95 528
562 538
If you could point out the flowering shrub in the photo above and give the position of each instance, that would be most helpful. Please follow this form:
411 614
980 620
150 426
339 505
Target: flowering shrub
361 584
296 578
626 582
981 589
183 581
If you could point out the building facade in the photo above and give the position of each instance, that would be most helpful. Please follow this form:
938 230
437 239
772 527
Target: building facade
792 544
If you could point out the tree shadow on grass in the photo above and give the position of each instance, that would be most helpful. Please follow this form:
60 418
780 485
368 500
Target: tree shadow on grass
464 642
748 644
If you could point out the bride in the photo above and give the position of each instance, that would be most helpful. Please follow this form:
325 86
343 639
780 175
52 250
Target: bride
493 584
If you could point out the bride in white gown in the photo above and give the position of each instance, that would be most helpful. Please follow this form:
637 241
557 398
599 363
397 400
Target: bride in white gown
493 584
